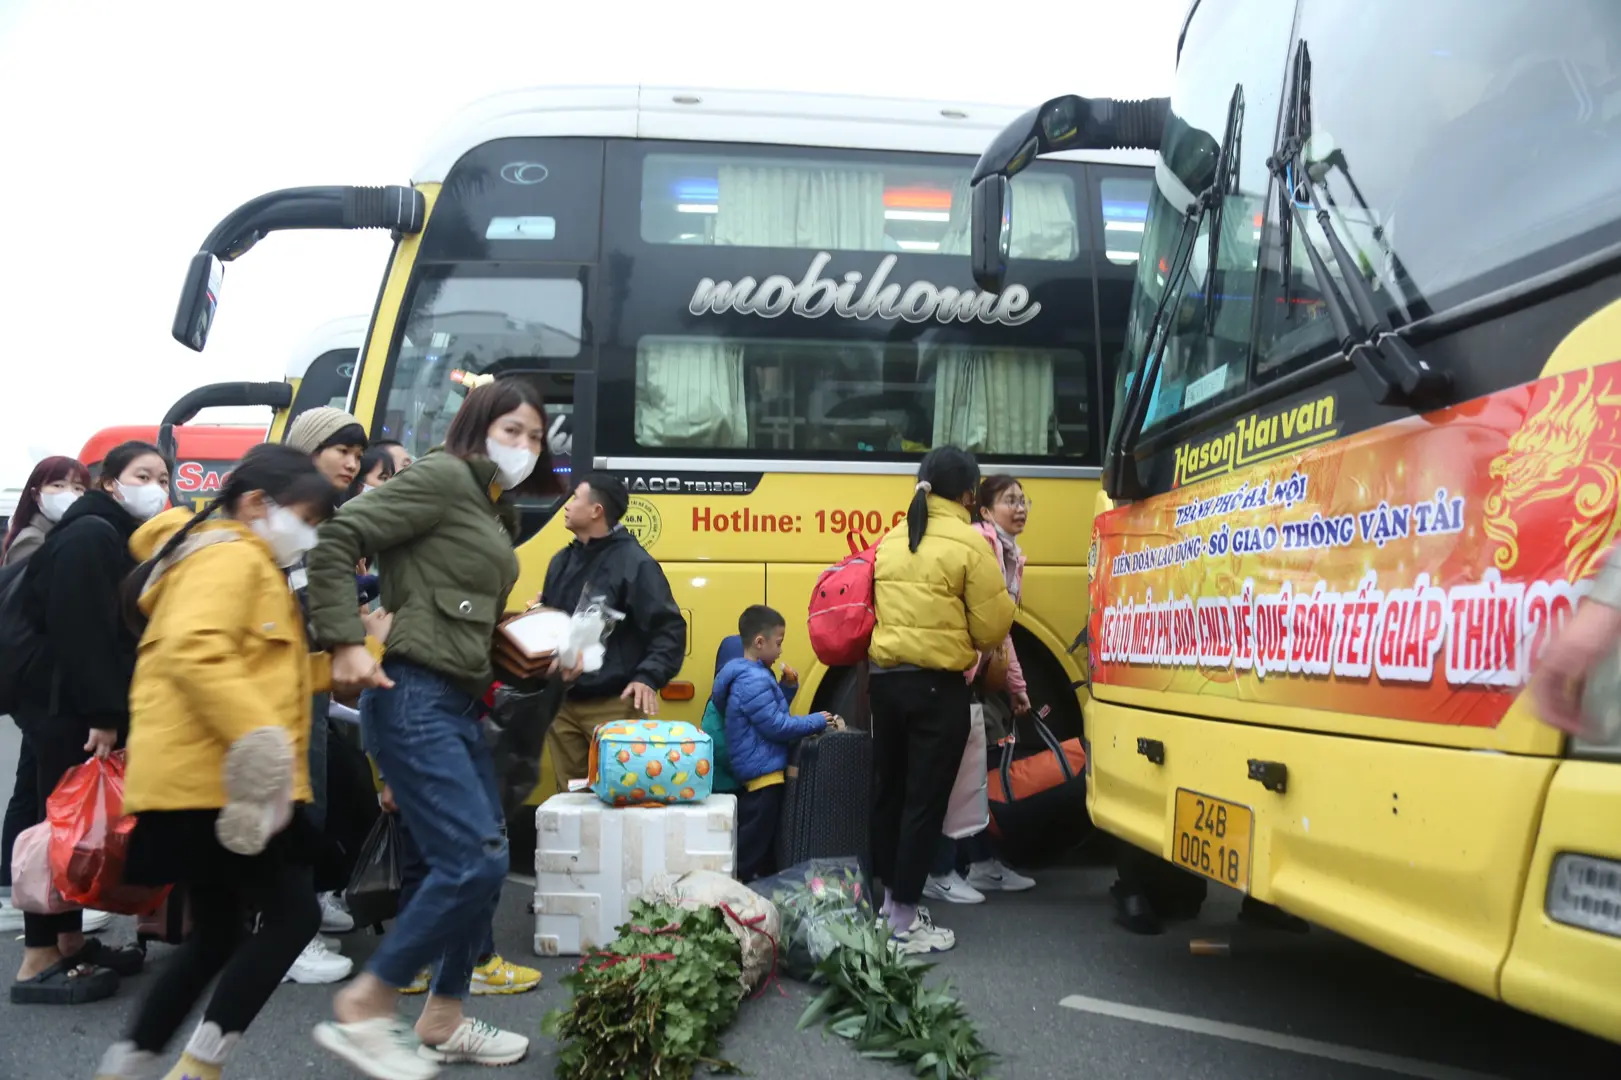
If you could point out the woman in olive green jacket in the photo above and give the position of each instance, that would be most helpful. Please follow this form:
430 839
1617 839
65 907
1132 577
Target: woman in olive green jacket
443 532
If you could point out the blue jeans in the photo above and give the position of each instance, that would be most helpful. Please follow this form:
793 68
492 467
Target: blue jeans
413 869
429 744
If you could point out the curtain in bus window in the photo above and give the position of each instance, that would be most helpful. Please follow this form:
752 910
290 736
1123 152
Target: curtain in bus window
690 393
993 401
1044 225
800 207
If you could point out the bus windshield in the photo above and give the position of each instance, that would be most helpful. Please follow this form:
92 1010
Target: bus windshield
1453 156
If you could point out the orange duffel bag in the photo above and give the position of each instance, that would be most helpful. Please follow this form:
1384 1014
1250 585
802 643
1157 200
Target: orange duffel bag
1038 800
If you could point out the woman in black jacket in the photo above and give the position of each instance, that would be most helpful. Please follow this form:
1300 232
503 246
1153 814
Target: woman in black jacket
74 698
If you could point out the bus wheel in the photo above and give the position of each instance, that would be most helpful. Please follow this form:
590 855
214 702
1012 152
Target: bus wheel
1049 685
844 693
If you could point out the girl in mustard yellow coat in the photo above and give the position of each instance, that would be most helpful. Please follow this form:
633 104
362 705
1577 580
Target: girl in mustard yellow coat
219 723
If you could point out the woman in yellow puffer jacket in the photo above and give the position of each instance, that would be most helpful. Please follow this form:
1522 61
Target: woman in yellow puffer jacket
941 600
219 722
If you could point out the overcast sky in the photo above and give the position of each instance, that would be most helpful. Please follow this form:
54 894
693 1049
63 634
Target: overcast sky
128 130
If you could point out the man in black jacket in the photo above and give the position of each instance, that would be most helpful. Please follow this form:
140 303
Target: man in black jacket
644 651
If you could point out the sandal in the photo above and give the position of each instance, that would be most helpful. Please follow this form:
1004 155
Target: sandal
125 960
65 983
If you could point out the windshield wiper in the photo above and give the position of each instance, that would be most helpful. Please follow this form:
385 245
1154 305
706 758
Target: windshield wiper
1393 370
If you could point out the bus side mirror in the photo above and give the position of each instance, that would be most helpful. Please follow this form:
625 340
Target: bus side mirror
991 230
198 301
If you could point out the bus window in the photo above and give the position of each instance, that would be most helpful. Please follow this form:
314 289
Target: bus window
1426 206
788 397
465 324
789 303
786 200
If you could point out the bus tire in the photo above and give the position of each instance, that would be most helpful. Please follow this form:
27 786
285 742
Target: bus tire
1048 684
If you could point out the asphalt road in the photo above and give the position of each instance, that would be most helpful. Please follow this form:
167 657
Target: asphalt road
1057 989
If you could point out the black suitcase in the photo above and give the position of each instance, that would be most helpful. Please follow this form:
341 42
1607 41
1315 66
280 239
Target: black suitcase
826 800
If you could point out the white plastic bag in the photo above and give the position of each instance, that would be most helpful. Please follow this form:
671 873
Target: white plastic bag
588 633
969 811
751 918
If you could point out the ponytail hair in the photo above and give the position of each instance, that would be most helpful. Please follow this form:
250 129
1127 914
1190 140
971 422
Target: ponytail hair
287 476
947 471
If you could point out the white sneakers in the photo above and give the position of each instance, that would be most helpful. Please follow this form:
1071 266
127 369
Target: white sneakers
383 1049
316 966
387 1049
923 936
952 889
11 919
478 1043
335 918
992 876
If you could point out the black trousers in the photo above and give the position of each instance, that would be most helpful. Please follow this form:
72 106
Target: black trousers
57 744
22 811
920 728
758 815
277 883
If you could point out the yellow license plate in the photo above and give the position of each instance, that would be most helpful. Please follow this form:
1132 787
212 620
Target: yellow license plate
1213 837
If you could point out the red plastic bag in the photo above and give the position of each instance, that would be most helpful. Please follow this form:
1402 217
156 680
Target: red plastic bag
90 839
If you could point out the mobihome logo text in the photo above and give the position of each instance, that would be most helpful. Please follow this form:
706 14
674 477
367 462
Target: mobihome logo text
813 296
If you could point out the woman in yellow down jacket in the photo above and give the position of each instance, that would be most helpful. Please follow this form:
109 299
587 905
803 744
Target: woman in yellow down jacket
219 723
941 600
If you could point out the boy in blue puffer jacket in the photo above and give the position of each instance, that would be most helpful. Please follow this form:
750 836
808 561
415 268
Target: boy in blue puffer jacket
759 734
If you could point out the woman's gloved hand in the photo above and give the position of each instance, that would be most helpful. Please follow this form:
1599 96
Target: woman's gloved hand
258 791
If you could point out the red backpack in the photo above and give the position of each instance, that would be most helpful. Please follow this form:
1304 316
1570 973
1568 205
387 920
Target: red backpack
842 613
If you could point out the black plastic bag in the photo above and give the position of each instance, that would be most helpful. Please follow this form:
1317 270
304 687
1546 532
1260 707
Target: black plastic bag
516 728
373 894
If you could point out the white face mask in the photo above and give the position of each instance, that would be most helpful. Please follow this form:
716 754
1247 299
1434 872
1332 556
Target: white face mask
514 463
288 535
53 504
143 501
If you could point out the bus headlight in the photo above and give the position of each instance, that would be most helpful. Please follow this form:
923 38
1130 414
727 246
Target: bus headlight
1585 892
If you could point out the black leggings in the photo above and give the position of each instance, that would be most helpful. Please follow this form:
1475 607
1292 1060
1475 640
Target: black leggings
57 745
250 965
920 728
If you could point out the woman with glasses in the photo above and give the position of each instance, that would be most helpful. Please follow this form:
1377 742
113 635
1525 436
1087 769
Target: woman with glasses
1003 512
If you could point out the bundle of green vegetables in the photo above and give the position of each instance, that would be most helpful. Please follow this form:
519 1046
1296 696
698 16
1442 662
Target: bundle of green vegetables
654 1003
876 998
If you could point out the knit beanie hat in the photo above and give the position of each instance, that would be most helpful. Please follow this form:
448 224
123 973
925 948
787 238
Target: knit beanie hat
315 429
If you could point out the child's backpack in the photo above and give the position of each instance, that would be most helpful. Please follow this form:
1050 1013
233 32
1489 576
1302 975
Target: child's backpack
714 725
842 613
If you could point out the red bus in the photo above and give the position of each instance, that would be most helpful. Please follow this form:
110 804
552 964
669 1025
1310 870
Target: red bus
205 452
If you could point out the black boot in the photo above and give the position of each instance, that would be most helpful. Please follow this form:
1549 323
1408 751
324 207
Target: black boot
1133 911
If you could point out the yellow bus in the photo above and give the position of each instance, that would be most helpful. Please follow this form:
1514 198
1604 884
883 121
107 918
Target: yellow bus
757 309
1366 456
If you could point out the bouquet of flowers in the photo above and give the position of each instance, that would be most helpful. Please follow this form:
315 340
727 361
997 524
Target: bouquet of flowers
813 899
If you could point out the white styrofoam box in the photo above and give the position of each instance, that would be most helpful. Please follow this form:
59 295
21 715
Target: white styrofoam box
592 861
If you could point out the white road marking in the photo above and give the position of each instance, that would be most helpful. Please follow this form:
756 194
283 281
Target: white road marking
1260 1037
522 879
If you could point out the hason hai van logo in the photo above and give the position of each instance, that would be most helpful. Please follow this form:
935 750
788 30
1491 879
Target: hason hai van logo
813 296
